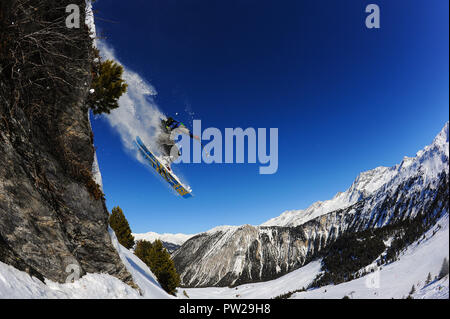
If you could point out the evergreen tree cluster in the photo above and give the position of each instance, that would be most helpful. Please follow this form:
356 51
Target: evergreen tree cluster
120 225
156 257
407 232
413 290
347 255
289 294
344 258
428 280
108 86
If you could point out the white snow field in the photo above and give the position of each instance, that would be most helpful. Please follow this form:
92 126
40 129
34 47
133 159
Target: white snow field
16 284
261 290
390 281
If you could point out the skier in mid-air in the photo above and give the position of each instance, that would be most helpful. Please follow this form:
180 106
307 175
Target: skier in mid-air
169 150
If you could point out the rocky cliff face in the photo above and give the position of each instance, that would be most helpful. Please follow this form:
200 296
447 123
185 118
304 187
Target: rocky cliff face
231 255
52 213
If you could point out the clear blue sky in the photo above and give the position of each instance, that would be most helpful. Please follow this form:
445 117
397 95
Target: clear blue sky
345 98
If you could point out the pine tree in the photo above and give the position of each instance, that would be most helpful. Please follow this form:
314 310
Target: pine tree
444 269
143 251
120 225
156 257
428 279
108 87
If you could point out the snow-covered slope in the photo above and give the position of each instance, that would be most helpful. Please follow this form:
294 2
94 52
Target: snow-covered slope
435 290
142 275
395 280
427 163
390 281
16 284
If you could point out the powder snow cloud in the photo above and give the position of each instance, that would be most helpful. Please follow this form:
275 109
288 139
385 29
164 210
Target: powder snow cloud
138 114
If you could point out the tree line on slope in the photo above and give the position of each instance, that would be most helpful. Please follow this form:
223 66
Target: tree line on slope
347 257
154 255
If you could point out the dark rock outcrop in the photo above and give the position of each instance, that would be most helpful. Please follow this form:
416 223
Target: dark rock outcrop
52 213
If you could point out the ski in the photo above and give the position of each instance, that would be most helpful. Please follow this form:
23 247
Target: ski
173 181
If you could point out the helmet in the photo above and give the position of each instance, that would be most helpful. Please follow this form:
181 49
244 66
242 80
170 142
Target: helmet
170 123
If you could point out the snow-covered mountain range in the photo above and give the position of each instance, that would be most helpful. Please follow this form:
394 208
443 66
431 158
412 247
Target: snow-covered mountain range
428 164
390 281
171 241
177 239
231 255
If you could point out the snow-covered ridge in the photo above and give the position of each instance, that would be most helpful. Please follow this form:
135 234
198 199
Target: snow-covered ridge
222 228
428 162
177 239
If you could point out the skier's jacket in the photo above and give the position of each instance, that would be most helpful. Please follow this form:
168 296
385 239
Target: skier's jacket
169 127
